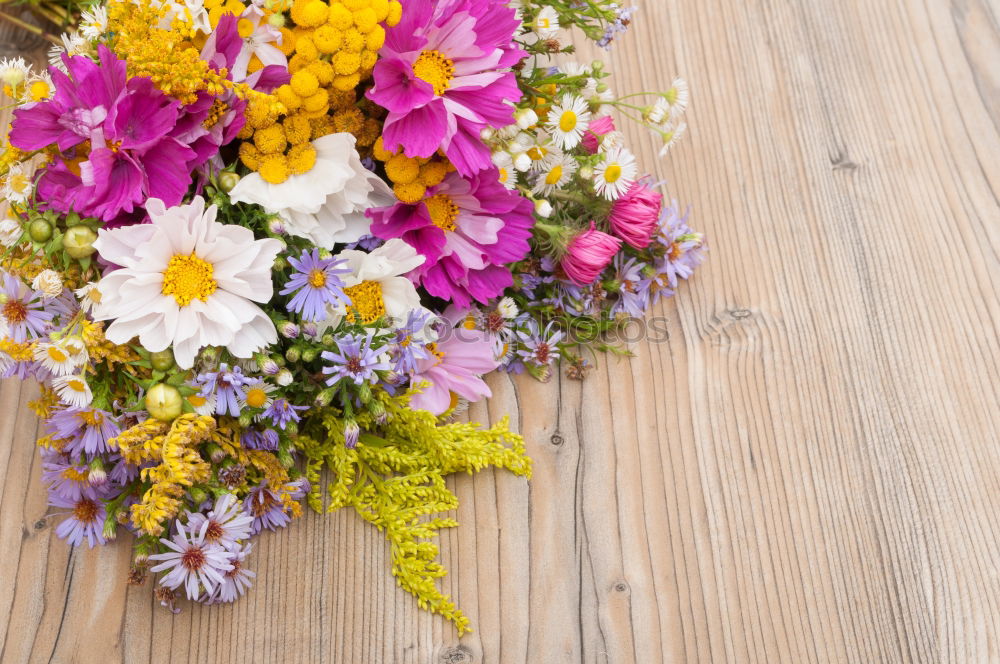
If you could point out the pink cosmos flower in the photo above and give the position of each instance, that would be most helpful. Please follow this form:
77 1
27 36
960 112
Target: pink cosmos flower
634 217
127 123
441 75
468 229
454 365
602 126
588 254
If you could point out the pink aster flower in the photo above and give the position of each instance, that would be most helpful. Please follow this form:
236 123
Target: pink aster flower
442 75
635 216
468 229
132 154
454 367
588 254
598 128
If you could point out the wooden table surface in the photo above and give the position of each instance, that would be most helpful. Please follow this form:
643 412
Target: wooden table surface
805 471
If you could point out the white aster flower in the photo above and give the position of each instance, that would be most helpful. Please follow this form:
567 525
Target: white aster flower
187 281
73 390
376 285
671 135
555 175
568 120
10 232
94 22
546 23
327 204
17 184
615 174
48 283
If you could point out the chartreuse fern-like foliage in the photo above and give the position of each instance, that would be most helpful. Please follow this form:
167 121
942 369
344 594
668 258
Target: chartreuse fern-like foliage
396 481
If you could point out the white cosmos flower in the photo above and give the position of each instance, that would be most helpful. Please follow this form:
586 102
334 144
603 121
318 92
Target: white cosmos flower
327 204
376 284
615 174
73 390
568 120
187 281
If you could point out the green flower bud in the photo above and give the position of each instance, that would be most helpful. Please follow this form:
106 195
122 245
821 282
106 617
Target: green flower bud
40 230
164 402
79 241
293 355
228 180
198 495
365 392
162 360
309 354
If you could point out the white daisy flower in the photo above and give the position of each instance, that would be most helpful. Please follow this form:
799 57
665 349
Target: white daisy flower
73 390
93 22
187 281
600 102
671 135
376 284
555 175
658 113
615 174
72 44
89 296
546 23
574 68
38 88
48 283
255 395
327 204
507 308
678 96
568 120
543 155
61 357
13 72
203 405
17 184
10 232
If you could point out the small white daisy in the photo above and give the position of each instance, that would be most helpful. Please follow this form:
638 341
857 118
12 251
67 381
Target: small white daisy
543 155
671 136
10 232
678 96
658 113
38 88
546 23
73 390
60 357
568 120
507 308
615 174
89 296
48 283
17 184
255 395
93 22
507 177
555 175
600 102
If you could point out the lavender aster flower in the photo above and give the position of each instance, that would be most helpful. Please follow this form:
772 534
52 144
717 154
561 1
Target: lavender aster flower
65 479
267 507
633 289
22 313
683 248
192 561
85 520
539 347
355 360
281 412
227 522
260 439
87 431
404 350
236 581
224 385
315 284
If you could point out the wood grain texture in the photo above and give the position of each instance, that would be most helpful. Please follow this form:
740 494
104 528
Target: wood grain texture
805 471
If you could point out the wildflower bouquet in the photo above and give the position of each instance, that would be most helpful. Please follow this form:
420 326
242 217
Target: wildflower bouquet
256 249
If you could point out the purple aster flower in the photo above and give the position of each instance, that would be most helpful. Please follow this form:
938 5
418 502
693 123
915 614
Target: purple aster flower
224 385
355 360
192 562
23 315
281 412
227 522
405 350
87 431
85 520
267 508
260 439
65 478
633 289
236 581
443 75
539 348
316 285
683 248
128 122
468 229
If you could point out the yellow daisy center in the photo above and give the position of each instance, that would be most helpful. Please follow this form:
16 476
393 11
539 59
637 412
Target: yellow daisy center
19 183
537 153
434 68
76 385
554 175
317 278
443 211
56 355
612 173
38 90
197 401
256 397
366 298
188 278
503 175
567 121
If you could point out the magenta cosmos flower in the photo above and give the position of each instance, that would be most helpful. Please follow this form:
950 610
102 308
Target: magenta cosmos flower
116 136
468 229
442 77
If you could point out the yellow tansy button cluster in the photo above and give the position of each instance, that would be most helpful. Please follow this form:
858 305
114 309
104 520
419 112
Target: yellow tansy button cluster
411 177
